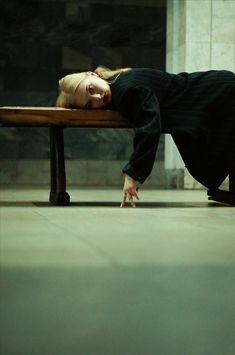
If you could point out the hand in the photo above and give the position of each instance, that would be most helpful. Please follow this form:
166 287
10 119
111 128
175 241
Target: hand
130 190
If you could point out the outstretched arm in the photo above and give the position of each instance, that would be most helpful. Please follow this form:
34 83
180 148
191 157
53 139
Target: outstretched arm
142 109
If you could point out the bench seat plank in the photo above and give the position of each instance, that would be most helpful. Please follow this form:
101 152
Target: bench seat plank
55 116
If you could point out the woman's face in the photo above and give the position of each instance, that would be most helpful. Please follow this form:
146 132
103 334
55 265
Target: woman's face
92 92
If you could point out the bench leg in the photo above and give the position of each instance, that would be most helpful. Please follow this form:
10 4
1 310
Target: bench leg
225 196
58 194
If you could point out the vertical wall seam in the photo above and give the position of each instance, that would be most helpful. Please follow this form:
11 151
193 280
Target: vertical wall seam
234 39
185 29
184 19
210 58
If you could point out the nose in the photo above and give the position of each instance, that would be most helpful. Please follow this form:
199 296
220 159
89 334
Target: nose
98 97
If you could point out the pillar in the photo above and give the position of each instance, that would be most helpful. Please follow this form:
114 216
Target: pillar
200 36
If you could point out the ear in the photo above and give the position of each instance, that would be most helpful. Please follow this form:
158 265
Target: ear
91 73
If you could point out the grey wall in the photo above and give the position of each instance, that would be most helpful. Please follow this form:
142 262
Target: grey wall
197 41
44 40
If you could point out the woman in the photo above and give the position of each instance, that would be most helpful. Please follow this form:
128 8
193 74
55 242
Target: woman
197 109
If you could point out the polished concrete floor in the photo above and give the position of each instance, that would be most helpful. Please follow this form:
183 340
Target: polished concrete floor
94 279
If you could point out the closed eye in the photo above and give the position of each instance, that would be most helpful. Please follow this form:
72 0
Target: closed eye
91 89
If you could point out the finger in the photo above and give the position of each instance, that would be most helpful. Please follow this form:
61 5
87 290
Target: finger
122 204
123 201
131 200
136 195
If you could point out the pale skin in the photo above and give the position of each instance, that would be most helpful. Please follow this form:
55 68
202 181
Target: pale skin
130 190
94 92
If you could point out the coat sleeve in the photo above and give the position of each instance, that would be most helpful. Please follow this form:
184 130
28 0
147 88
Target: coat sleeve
141 107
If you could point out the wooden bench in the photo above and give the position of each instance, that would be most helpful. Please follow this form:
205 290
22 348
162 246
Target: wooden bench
59 118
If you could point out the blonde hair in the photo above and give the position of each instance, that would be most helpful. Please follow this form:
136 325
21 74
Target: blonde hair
108 74
67 87
69 84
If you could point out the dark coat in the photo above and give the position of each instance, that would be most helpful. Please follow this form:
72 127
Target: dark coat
197 109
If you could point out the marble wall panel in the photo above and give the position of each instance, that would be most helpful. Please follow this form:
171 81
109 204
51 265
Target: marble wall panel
223 28
28 171
28 98
169 19
73 59
191 183
76 172
151 57
9 149
169 61
176 21
197 56
179 56
198 20
175 63
1 80
222 56
224 9
110 57
73 7
223 35
9 171
157 176
97 171
17 171
171 153
174 178
27 79
114 175
14 143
